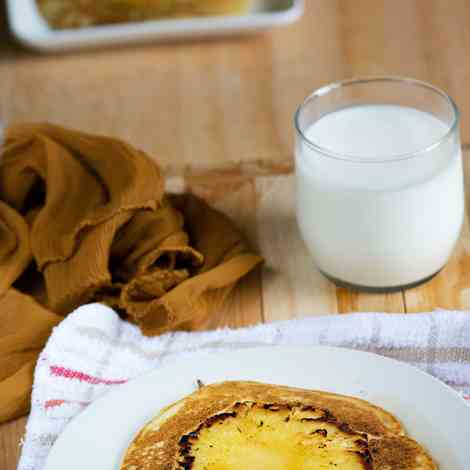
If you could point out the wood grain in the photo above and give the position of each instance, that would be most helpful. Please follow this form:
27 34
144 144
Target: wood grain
349 301
227 104
292 286
10 437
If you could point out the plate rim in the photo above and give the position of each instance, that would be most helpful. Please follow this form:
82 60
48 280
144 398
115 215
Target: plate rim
268 349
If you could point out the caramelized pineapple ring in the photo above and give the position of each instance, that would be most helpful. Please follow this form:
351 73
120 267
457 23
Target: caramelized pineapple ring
264 436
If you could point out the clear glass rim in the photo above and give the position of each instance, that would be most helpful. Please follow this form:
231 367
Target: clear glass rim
374 79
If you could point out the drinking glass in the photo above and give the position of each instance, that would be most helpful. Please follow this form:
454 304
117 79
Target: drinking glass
380 198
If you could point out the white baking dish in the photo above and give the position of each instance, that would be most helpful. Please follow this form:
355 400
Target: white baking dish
29 27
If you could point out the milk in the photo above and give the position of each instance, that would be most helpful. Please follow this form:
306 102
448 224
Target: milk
379 223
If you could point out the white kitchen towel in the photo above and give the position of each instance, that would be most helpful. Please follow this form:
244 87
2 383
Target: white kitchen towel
93 350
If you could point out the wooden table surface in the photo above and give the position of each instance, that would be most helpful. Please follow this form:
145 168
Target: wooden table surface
218 115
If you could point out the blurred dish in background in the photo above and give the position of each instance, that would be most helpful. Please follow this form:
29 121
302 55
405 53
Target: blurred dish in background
64 14
31 28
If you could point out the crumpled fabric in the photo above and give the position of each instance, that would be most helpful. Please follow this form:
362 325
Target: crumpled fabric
85 218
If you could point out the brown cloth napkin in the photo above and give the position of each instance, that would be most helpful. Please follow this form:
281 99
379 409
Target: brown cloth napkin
84 218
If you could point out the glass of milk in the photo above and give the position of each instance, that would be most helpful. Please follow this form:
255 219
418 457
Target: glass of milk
380 201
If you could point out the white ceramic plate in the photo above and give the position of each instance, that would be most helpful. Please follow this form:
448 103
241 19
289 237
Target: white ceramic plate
30 29
432 413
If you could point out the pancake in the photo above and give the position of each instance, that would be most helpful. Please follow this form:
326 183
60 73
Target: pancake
249 425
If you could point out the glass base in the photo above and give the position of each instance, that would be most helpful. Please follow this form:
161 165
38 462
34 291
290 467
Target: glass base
378 290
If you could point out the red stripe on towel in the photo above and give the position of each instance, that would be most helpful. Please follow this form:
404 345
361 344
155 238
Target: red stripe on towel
53 404
49 404
82 377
